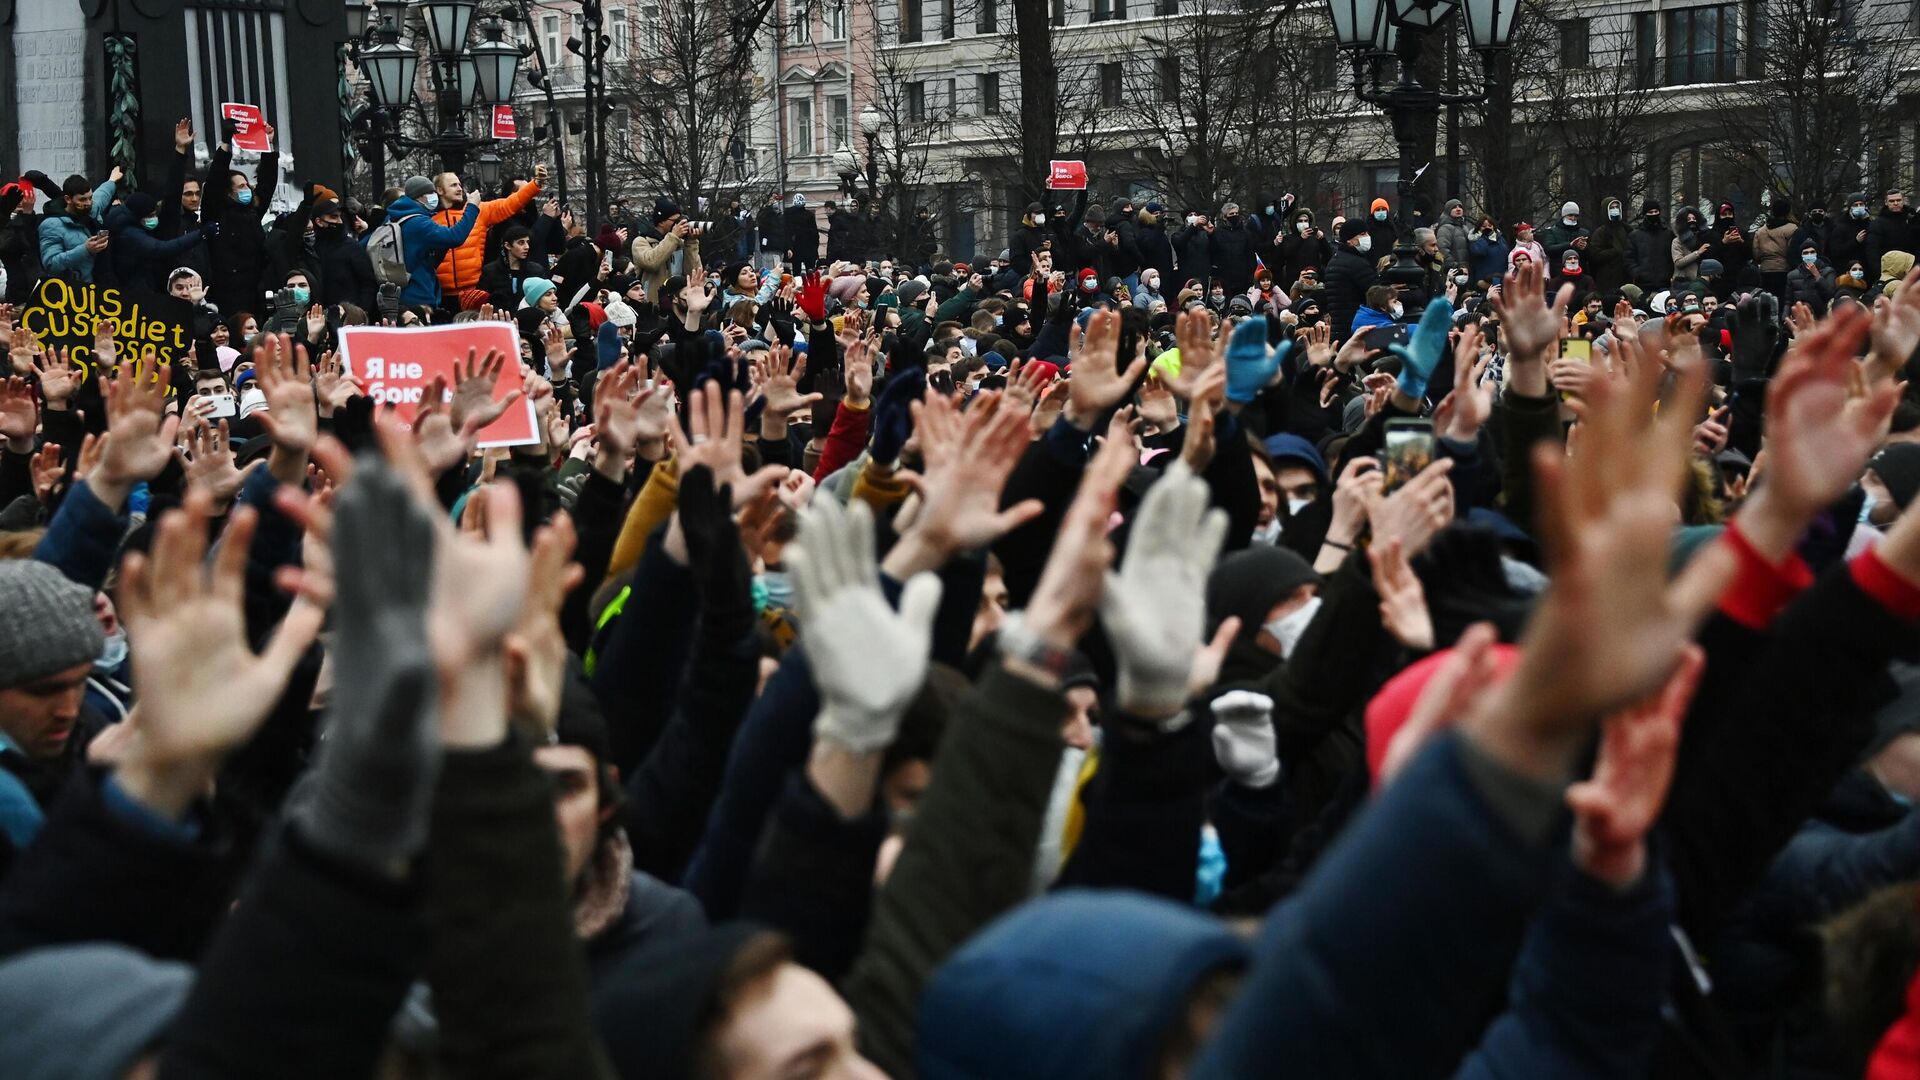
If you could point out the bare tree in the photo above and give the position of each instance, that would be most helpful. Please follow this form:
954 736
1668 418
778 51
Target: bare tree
690 90
1822 95
1503 164
1594 102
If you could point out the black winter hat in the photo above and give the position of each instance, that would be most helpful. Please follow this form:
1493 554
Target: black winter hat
664 208
1351 229
1650 206
652 1007
140 204
1898 467
1249 582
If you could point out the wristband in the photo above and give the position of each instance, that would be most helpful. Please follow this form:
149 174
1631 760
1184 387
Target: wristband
1016 642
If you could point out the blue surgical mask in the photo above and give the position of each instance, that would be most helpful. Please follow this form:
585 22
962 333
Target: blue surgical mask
1809 257
779 588
150 223
244 197
1866 507
432 201
1379 215
114 652
1858 211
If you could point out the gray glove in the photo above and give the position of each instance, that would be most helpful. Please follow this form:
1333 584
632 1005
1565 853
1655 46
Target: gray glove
366 801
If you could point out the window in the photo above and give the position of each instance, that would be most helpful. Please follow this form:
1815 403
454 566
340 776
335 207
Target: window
916 102
909 21
1109 85
1059 12
986 17
1101 10
1701 47
1573 43
840 113
946 18
1167 72
617 33
620 129
1166 7
550 29
1325 72
989 94
1646 49
803 128
1833 11
837 20
803 24
1119 9
953 97
650 30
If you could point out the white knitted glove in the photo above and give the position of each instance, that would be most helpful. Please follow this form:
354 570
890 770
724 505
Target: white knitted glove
1243 740
1155 608
868 660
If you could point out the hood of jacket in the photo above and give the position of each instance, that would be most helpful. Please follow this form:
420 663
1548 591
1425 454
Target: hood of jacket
1079 984
1304 213
119 217
1894 265
403 207
1148 218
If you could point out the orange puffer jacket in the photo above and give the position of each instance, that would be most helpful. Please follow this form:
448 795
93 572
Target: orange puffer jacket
461 268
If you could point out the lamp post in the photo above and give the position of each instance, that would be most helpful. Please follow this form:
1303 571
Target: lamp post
1375 31
462 76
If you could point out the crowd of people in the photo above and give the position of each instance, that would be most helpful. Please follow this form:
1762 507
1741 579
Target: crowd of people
1240 649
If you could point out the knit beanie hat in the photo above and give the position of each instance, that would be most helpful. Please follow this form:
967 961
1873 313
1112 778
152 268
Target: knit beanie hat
1897 466
664 208
910 292
1351 229
49 624
534 288
85 1011
1378 205
1249 582
140 204
649 1007
418 187
1569 209
620 313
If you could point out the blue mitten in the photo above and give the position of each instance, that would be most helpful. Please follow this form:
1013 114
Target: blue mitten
1250 361
1422 354
892 418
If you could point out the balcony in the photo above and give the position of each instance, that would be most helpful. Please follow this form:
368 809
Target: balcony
1653 71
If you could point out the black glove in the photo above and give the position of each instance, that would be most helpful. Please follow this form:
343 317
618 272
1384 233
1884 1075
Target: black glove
1756 336
714 554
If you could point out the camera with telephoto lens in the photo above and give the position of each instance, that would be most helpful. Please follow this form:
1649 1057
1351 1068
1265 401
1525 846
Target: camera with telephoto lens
701 225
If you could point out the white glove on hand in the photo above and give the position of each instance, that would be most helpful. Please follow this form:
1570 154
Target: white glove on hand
1155 608
868 660
1243 740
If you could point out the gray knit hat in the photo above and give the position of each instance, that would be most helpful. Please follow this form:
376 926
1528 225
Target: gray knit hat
85 1012
49 624
418 187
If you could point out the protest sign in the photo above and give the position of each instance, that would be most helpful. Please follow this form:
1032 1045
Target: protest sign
66 314
1067 175
249 127
505 127
396 365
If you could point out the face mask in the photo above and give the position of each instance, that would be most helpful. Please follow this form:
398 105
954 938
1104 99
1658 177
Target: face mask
1613 213
1150 282
432 201
1366 242
245 197
1819 216
301 294
1303 226
1218 296
1858 211
1856 271
1866 507
1573 267
1193 219
1288 628
1570 222
114 652
1459 279
779 588
1379 215
1294 506
1268 534
1269 209
1398 310
150 223
1809 257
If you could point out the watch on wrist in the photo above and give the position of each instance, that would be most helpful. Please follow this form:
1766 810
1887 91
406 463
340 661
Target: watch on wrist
1016 642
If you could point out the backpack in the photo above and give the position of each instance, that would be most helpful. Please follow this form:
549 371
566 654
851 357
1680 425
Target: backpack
386 247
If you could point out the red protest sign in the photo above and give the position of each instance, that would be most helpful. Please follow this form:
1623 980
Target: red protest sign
396 365
249 126
504 126
1067 175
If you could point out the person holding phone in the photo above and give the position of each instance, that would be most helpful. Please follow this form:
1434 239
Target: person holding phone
72 239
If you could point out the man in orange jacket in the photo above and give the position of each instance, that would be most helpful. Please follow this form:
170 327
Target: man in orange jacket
459 271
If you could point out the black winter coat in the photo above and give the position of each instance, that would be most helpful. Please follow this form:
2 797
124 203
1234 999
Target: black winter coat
1348 276
1233 256
346 271
1195 248
803 235
1157 251
1650 255
236 240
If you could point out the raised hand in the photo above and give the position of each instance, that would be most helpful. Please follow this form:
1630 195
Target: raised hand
332 386
781 373
621 420
1819 433
140 437
210 467
1200 345
1614 810
1414 514
47 470
1157 406
1461 413
1528 326
473 401
19 416
1252 364
203 692
292 418
868 660
1243 738
1154 609
858 368
716 425
182 136
1896 329
968 459
536 650
1403 602
1098 384
1209 394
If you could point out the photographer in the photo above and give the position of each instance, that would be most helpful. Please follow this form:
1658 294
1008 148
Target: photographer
668 247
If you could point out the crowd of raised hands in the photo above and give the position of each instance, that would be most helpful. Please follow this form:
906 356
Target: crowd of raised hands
358 635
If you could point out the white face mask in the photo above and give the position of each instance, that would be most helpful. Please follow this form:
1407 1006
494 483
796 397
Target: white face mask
1398 310
1039 219
1303 226
1613 213
1294 506
1366 242
1193 219
1268 534
1570 222
1288 628
1150 282
432 201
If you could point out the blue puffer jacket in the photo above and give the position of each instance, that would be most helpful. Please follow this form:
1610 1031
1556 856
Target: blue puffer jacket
63 239
425 242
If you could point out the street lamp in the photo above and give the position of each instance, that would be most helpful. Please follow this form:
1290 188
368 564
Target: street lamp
463 76
1374 31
